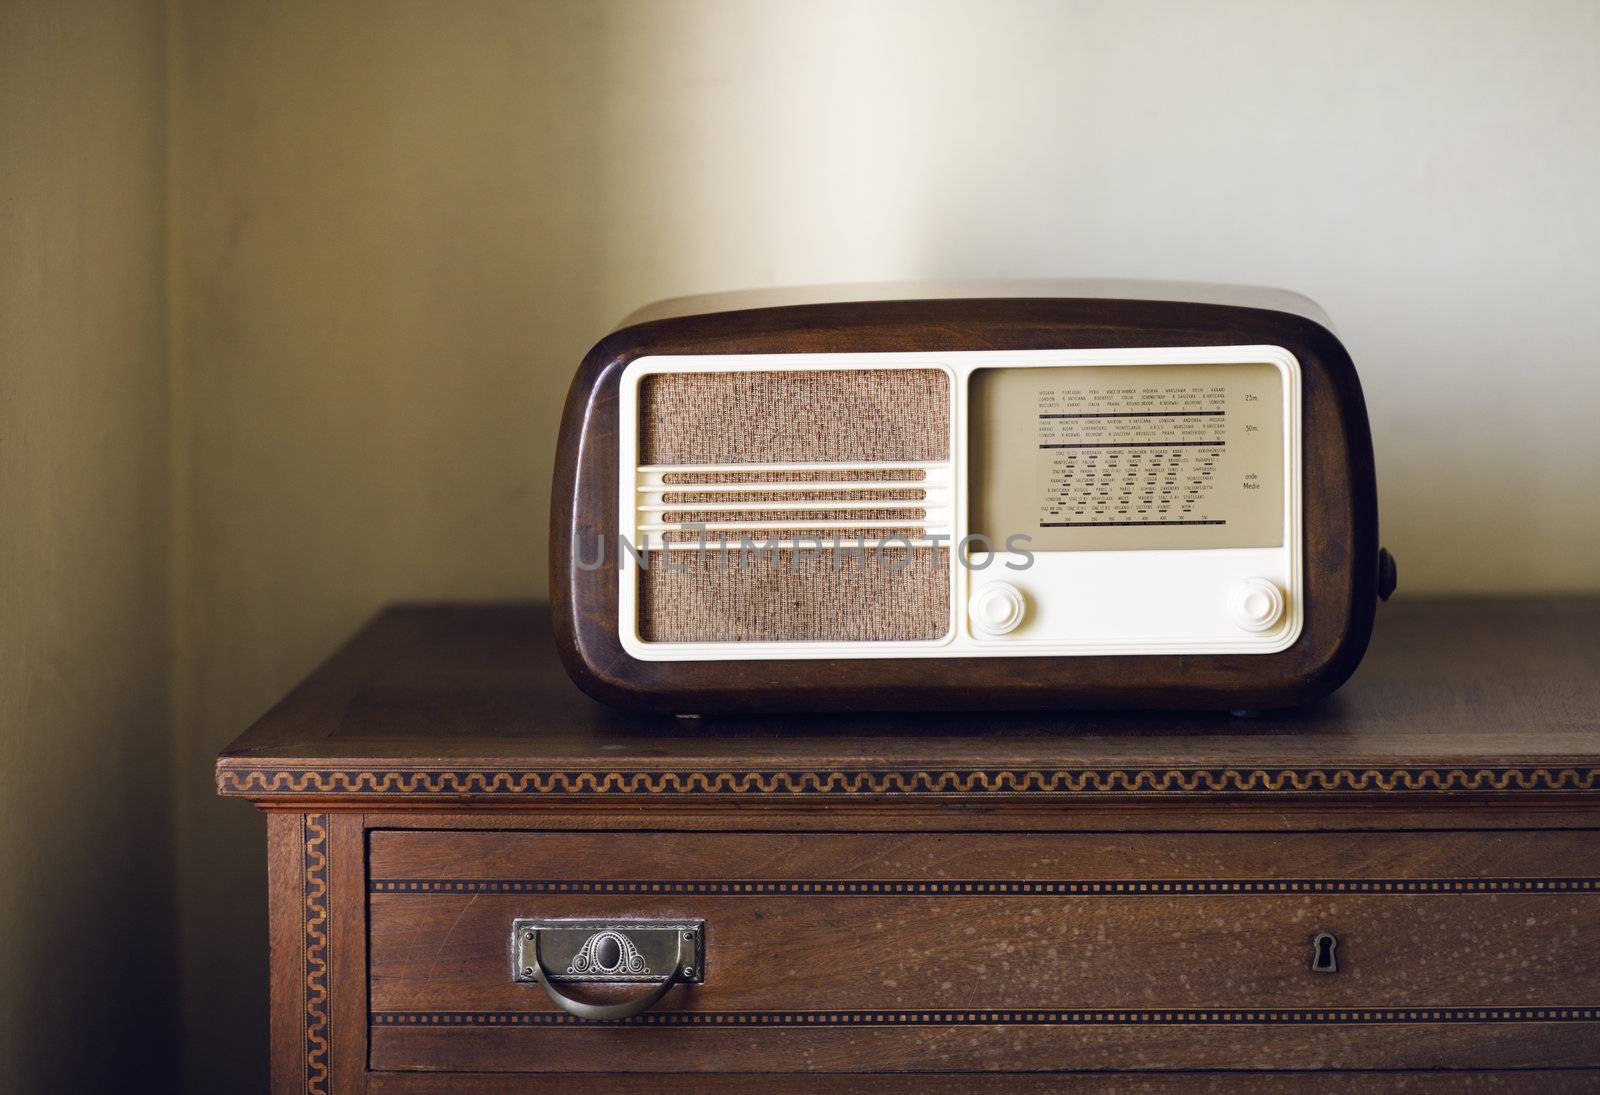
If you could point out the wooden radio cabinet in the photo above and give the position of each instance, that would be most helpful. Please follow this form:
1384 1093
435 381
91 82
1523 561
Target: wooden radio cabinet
1397 888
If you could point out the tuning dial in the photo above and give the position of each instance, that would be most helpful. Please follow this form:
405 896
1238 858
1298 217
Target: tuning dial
1256 604
997 608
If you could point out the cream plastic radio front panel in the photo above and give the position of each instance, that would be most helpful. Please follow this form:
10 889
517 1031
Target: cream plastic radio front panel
1079 602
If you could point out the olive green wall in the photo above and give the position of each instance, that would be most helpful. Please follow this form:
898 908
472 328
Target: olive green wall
400 224
88 989
322 368
387 260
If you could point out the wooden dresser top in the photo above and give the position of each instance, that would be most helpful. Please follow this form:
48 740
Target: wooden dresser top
1488 698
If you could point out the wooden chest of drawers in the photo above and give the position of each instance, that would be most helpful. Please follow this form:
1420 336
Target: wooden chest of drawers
1397 889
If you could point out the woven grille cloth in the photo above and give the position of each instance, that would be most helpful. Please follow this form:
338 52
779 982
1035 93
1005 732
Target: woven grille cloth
810 416
843 596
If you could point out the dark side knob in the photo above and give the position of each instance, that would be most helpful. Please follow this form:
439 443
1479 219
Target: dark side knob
1387 574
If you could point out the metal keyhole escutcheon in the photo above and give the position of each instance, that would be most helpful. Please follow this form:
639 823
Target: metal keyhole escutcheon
1323 956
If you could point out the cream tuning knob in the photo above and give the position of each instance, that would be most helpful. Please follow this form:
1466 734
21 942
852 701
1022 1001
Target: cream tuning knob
1256 604
997 608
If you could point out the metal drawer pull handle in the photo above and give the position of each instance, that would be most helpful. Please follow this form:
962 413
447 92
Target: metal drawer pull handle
655 953
584 1010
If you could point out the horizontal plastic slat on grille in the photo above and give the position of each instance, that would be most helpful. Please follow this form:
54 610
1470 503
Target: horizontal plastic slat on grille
804 475
762 507
909 494
735 537
788 516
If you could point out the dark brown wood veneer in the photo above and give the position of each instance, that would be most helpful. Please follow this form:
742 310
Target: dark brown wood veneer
1101 902
1340 518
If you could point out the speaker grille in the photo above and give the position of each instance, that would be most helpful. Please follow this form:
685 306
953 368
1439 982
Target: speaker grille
875 595
799 416
793 462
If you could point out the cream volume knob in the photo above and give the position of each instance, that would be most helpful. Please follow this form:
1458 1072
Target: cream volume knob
997 609
1256 604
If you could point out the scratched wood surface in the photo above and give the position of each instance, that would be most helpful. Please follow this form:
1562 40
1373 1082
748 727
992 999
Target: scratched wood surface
1490 977
1486 682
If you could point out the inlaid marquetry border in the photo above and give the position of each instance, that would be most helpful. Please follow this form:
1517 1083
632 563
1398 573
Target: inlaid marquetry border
268 782
987 887
318 1024
1006 1017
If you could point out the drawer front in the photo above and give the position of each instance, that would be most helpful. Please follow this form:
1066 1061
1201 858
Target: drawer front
939 951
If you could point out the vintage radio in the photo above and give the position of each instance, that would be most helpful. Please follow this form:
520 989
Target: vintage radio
1057 496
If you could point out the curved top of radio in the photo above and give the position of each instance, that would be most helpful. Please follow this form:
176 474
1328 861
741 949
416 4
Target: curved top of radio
1188 292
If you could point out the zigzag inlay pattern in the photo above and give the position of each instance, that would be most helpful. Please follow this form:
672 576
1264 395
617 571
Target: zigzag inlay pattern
1004 1017
318 1050
1085 782
983 888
